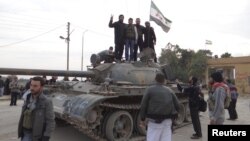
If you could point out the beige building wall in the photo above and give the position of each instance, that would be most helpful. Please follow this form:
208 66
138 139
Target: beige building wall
242 76
242 70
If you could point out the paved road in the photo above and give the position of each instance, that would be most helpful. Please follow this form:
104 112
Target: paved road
9 116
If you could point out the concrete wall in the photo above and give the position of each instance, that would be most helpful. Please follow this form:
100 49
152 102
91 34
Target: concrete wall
242 76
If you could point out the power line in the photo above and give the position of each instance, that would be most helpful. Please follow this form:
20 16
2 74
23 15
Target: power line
21 26
96 32
26 22
31 37
22 17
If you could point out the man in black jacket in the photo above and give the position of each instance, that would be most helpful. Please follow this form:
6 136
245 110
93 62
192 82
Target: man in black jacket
149 38
119 27
193 91
158 105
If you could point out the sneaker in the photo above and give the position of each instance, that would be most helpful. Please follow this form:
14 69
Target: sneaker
194 134
195 137
231 119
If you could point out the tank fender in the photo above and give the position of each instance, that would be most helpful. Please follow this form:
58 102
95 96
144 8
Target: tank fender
76 106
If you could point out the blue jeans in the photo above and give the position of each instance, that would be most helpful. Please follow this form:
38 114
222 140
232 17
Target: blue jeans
27 136
129 49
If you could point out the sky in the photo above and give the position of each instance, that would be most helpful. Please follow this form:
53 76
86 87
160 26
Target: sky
30 29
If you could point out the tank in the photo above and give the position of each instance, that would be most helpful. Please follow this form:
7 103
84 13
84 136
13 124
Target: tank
106 105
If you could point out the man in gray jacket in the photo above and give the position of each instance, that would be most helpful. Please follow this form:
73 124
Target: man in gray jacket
159 104
37 117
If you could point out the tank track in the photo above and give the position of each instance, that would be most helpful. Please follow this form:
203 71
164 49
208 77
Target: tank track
84 128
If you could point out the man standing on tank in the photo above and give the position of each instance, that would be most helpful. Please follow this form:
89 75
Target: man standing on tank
131 37
159 104
139 43
149 37
119 29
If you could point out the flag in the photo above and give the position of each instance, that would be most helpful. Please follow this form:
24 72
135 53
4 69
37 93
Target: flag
158 18
208 42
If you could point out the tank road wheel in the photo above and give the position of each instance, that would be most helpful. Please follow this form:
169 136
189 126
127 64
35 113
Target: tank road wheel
137 119
181 116
187 113
104 122
119 126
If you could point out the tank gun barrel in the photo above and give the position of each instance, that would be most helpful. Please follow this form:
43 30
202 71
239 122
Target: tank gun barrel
15 71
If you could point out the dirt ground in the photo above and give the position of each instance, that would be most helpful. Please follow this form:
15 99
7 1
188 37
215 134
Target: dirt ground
9 116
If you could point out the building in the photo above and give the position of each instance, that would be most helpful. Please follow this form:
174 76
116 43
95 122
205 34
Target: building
235 68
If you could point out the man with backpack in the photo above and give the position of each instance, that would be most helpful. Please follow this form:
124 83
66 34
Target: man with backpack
217 101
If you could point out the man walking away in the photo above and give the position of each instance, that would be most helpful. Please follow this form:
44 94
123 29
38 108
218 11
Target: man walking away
139 43
119 28
37 118
234 96
1 86
158 105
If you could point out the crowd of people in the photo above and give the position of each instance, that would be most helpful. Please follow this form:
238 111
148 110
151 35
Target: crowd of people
18 89
133 36
159 105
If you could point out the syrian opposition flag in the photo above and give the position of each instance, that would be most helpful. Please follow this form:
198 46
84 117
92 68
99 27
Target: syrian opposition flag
158 18
208 42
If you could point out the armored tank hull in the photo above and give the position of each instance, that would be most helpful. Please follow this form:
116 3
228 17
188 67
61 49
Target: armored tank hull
108 115
106 106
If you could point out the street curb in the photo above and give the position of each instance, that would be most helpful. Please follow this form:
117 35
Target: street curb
4 98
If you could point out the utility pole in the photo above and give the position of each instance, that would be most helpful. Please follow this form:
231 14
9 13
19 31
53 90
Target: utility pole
82 50
68 39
